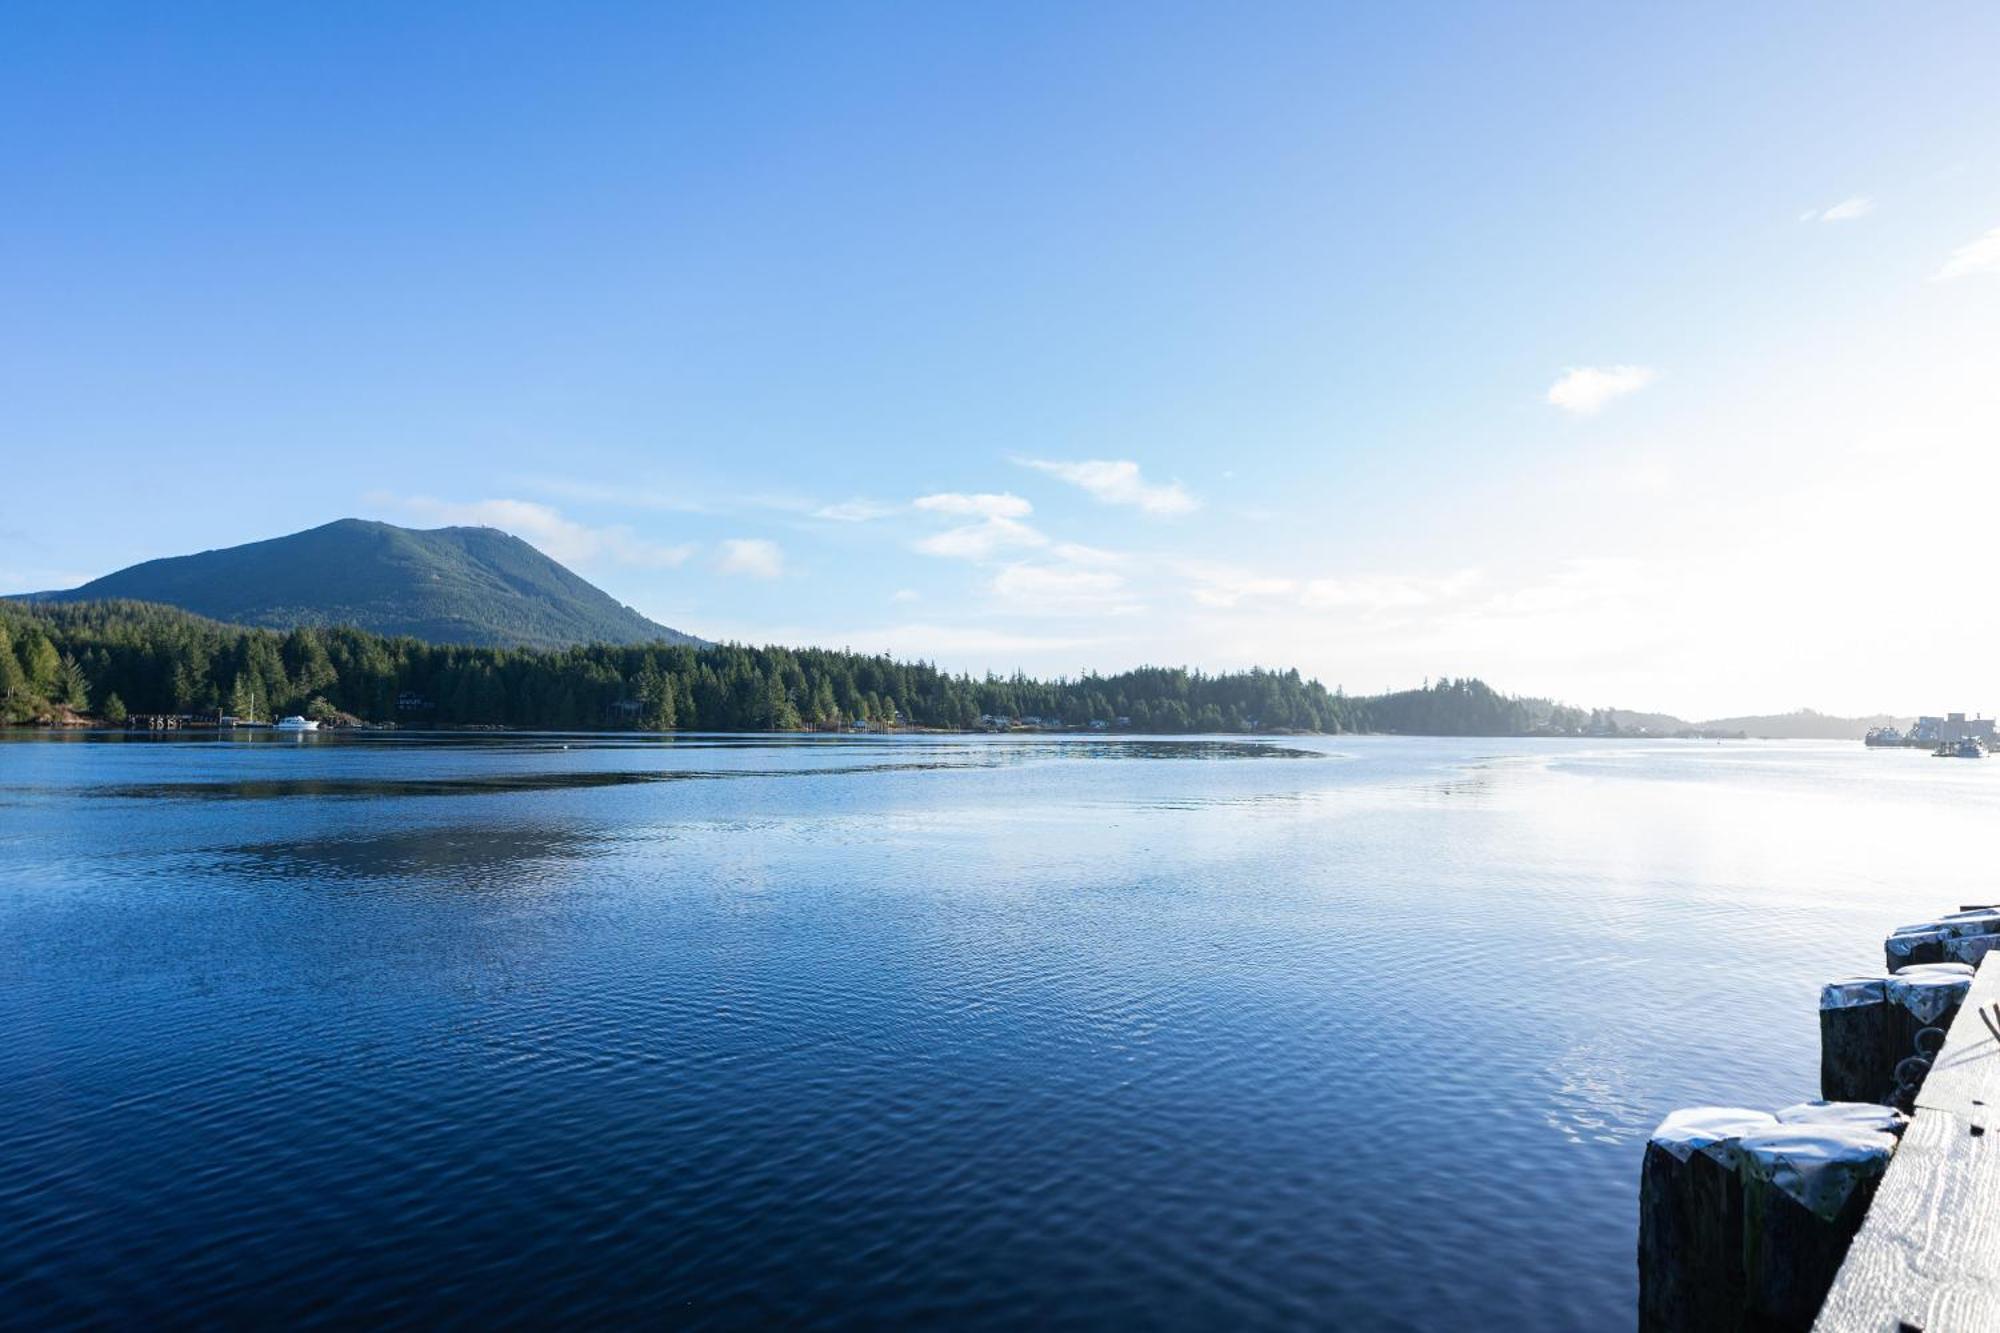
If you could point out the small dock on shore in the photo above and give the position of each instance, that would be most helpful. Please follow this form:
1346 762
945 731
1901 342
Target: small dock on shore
1927 1257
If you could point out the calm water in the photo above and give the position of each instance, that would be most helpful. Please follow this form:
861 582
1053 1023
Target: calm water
733 1031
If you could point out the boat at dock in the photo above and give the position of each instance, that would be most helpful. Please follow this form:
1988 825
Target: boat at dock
1883 736
296 723
1960 749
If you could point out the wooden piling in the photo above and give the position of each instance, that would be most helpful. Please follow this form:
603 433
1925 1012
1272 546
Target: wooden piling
1749 1221
1970 949
1806 1189
1691 1220
1920 999
1928 1256
1855 1040
1927 941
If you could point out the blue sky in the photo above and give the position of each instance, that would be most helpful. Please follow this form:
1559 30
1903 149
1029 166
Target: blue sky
1639 356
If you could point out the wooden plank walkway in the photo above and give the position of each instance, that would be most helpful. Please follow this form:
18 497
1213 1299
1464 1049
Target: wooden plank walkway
1927 1259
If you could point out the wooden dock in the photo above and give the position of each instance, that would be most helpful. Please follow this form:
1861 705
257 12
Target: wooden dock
1927 1259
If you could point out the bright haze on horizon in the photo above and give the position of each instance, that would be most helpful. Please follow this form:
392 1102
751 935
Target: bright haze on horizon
1633 357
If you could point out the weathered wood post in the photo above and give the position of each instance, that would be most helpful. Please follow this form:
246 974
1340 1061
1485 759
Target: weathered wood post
1920 997
1970 949
1691 1220
1926 941
1855 1040
1868 1025
1806 1189
1928 1255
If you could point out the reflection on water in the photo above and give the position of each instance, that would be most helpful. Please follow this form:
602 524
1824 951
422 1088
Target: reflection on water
890 756
980 1032
485 857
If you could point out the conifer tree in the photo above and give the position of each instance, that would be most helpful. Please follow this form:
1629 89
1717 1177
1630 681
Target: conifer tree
42 664
72 690
13 680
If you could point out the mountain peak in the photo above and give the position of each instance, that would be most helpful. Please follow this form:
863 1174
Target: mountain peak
474 585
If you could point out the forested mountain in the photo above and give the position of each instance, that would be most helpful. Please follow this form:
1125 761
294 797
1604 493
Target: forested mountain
110 658
446 585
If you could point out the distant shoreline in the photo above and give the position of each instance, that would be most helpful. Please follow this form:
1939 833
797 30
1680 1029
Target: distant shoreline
79 664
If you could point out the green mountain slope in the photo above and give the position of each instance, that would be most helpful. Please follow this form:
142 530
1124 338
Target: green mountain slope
446 585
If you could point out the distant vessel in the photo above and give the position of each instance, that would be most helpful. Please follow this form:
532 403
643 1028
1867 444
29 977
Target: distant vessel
1965 749
1883 736
296 723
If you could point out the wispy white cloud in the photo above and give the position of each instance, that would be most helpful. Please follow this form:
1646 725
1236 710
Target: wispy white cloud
1586 389
1224 586
1119 482
954 645
751 557
856 511
905 595
1980 256
987 505
999 525
1079 554
982 540
1848 209
1060 588
544 528
1221 585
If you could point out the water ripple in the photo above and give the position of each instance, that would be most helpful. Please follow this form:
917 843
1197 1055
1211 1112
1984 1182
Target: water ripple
985 1034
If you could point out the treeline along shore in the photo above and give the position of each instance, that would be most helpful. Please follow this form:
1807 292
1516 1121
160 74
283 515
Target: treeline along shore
106 661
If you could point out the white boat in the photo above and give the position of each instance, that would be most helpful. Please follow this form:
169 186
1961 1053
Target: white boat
296 723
